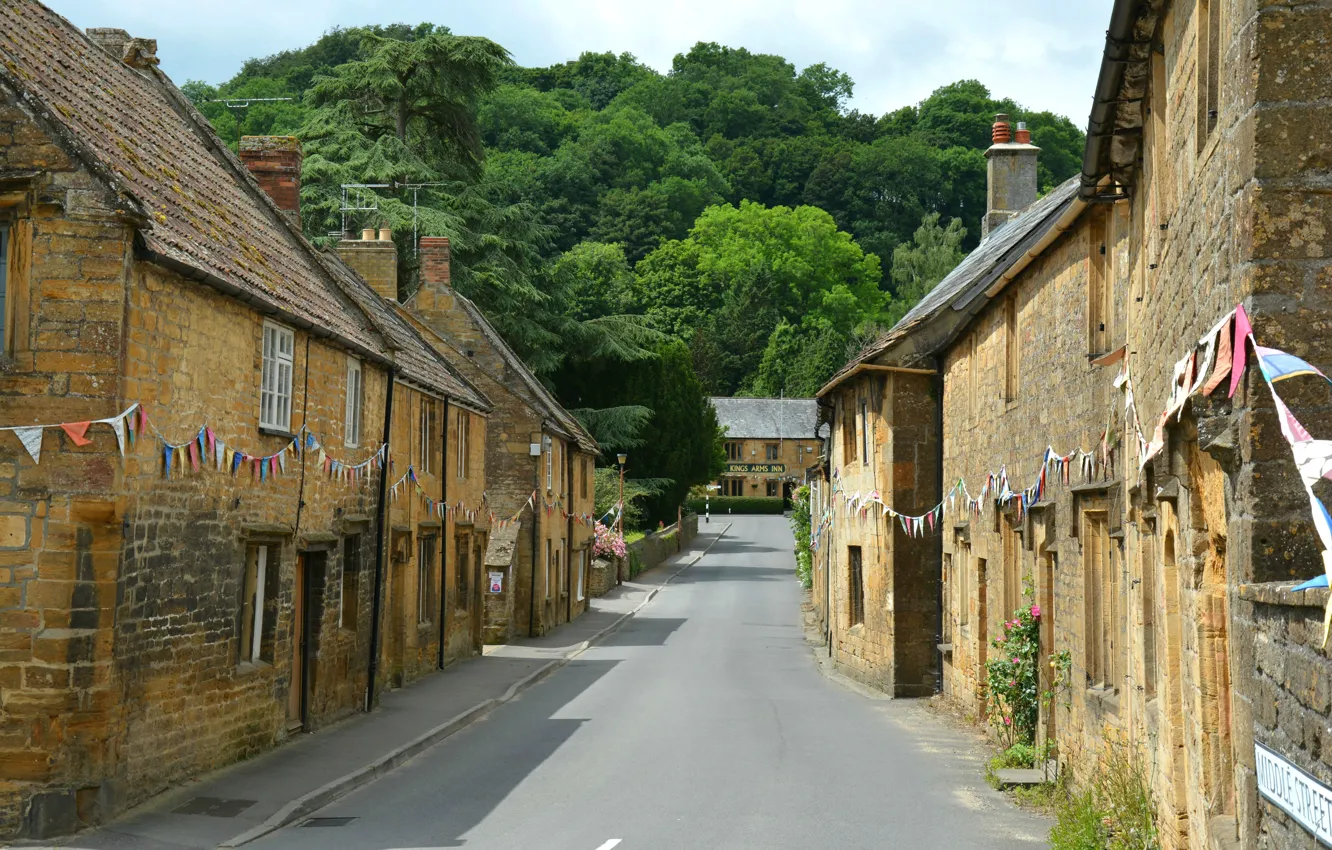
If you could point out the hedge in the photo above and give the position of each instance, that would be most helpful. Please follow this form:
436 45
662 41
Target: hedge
739 505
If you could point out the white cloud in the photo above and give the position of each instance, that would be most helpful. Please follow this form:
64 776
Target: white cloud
1042 53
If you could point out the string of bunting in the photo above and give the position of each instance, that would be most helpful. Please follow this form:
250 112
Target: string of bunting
203 449
1219 357
443 510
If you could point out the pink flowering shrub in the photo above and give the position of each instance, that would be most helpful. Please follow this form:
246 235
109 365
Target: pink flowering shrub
1013 678
607 544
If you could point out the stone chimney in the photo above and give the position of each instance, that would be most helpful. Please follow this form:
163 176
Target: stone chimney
1012 174
374 259
435 295
275 161
110 39
138 53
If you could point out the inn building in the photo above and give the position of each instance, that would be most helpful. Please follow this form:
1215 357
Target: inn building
1003 414
770 443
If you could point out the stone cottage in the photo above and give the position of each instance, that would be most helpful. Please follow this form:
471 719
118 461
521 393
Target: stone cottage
195 552
539 463
1057 425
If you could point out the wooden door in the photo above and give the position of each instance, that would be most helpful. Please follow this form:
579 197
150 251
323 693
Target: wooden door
299 636
982 630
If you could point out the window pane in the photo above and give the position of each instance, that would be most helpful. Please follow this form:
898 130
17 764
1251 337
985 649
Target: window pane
4 271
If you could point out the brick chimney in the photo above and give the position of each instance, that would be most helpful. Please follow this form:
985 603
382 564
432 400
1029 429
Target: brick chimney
436 263
1012 174
275 161
374 259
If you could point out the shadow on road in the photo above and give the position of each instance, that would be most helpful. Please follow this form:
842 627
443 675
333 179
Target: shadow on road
644 631
734 572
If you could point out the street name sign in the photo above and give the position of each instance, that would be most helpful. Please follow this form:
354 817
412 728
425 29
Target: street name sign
1295 792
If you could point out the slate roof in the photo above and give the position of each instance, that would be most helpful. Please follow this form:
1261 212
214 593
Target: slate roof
976 273
768 418
416 360
139 134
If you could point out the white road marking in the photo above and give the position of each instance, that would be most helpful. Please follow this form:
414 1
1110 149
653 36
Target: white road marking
609 844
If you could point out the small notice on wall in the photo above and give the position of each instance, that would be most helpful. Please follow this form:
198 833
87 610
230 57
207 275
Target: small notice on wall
497 582
1295 792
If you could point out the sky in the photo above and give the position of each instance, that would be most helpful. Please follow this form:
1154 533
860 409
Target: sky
1042 53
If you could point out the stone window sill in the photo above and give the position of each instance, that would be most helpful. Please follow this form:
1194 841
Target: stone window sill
276 432
249 668
1106 698
1281 593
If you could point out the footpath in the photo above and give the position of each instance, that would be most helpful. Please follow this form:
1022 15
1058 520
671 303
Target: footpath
238 804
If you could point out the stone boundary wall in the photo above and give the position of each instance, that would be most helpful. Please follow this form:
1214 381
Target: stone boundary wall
650 552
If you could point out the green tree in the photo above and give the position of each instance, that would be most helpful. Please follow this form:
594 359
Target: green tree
429 84
919 265
678 445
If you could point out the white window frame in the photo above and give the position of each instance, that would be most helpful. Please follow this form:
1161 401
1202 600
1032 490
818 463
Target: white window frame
464 429
582 567
277 369
257 617
6 331
549 561
355 401
550 464
424 579
427 441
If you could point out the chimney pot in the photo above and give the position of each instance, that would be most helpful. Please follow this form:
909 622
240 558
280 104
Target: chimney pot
275 162
385 234
368 234
1011 170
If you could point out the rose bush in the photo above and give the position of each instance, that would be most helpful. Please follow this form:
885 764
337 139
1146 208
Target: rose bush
1013 679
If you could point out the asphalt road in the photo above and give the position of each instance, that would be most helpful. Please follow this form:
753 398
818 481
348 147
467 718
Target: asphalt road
704 722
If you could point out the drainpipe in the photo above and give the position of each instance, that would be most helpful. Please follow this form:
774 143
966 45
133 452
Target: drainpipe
938 599
444 535
569 536
536 481
384 471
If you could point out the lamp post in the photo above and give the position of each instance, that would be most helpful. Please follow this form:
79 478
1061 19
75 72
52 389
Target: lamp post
707 502
620 522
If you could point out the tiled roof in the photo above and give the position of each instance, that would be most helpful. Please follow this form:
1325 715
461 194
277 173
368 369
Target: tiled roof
1004 247
531 389
143 137
417 361
768 418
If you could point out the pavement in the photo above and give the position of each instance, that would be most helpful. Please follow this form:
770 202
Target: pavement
241 803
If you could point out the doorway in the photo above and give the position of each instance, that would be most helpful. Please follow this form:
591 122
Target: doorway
306 610
982 632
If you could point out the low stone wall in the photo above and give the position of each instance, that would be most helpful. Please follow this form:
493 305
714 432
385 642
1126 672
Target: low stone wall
1285 687
652 550
643 555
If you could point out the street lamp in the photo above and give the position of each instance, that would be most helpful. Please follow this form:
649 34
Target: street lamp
622 458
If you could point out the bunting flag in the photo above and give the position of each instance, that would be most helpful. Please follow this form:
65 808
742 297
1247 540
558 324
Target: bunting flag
76 430
118 426
167 453
1224 355
31 438
1243 331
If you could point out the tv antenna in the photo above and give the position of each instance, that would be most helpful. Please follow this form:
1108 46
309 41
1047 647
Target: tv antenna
239 103
361 197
